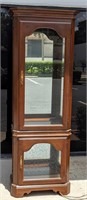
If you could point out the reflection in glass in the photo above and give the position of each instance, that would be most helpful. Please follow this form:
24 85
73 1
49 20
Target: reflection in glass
42 160
44 78
6 71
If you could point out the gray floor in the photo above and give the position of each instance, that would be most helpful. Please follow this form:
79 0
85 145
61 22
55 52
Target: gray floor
78 180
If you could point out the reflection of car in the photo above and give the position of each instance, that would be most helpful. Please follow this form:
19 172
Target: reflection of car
3 78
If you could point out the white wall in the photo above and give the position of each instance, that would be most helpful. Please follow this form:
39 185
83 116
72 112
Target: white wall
59 3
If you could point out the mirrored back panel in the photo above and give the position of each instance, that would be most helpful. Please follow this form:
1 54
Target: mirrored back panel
42 161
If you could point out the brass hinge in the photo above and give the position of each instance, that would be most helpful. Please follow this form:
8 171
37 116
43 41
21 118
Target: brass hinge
21 77
21 162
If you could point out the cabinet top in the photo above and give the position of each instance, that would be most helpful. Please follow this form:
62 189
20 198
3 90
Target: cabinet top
46 12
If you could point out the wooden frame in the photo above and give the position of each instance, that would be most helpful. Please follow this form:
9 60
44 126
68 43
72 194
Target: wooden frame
63 24
25 22
20 145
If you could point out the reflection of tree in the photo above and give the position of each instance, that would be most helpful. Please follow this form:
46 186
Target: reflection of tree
5 36
80 35
5 23
57 48
6 61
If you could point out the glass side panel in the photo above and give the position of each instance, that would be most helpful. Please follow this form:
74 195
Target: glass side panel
42 161
44 78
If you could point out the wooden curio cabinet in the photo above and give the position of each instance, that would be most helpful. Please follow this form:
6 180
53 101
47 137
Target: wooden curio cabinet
43 40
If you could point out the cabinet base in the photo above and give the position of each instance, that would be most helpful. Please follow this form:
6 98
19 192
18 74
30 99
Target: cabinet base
19 191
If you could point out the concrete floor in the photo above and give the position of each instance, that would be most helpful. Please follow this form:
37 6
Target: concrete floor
78 180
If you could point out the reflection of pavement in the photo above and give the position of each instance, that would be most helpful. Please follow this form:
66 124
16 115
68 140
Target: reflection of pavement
3 110
79 96
39 94
79 99
39 91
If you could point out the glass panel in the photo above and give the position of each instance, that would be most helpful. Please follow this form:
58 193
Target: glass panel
42 161
44 78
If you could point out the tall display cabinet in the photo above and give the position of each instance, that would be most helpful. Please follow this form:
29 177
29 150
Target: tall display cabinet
43 40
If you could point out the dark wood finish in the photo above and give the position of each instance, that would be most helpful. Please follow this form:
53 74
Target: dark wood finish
19 191
25 22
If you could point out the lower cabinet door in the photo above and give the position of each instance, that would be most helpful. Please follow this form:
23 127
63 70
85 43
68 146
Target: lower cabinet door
43 161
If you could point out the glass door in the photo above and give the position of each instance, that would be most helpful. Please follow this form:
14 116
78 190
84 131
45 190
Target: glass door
44 78
43 159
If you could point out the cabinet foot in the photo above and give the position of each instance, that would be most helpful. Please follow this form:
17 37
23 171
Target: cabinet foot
20 191
66 190
16 192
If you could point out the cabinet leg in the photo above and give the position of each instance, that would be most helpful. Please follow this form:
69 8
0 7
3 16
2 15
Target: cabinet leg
19 191
15 192
66 190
